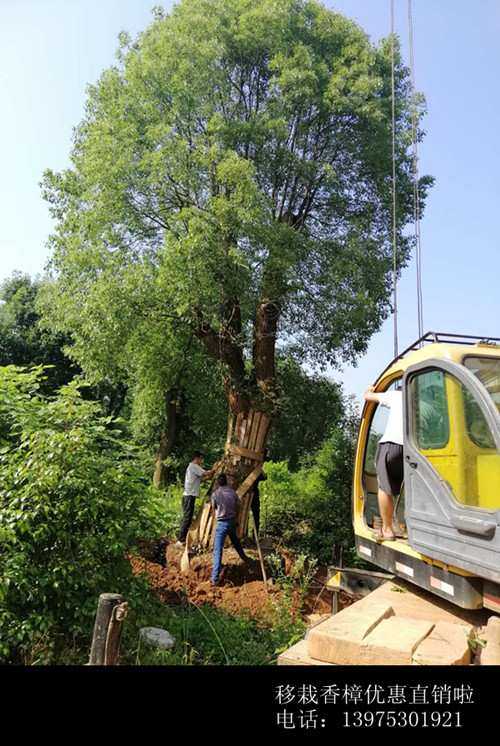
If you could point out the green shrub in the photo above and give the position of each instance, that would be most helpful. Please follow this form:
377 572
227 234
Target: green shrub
309 510
72 504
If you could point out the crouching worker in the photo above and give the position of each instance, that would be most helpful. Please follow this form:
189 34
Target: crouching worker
225 503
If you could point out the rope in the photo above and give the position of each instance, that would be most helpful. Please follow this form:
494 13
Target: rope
394 218
416 191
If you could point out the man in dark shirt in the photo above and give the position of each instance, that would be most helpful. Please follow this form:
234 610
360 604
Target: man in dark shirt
225 502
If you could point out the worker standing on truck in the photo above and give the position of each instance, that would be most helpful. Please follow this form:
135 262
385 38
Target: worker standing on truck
389 457
195 475
225 502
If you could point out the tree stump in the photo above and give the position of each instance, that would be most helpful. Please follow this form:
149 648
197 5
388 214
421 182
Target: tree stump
111 611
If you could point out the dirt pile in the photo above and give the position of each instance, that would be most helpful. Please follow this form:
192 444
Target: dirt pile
241 589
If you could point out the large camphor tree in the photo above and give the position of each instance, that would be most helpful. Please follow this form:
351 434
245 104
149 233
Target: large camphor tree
231 189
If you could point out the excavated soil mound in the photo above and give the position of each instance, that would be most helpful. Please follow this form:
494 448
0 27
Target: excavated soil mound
241 589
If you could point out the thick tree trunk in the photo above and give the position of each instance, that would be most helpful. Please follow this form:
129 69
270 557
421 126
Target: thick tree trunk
243 457
248 424
167 440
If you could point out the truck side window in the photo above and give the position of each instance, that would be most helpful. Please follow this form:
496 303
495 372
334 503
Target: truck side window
431 427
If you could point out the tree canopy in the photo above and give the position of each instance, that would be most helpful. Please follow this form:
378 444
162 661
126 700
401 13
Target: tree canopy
23 341
231 182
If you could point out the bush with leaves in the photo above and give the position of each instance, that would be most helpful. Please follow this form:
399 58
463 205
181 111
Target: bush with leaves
72 504
309 510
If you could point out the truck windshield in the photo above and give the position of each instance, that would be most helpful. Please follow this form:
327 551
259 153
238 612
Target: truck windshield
487 369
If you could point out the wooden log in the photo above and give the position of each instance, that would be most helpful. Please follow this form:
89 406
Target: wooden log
105 648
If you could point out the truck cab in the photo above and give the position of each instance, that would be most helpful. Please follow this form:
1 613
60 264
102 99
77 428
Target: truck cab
449 507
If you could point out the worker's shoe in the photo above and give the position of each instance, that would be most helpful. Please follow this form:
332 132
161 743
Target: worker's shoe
399 530
381 534
388 535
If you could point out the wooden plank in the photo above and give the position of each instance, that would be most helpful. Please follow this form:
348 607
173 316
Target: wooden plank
185 554
261 436
255 430
240 427
194 529
209 526
248 430
246 453
211 531
205 513
243 514
248 482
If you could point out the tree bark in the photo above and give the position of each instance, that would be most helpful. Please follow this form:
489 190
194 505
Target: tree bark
264 347
167 440
243 455
251 400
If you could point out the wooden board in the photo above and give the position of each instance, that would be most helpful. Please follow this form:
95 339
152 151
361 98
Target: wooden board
255 430
245 452
185 555
246 501
248 482
262 432
248 431
205 515
209 526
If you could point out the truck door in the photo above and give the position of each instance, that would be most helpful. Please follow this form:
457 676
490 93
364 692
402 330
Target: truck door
452 467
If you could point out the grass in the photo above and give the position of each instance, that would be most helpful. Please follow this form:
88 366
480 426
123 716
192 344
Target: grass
204 635
208 636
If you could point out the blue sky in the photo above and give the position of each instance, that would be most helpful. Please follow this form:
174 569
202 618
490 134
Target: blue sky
51 49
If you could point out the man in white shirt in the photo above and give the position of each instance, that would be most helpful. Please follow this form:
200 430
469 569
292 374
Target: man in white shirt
389 457
195 475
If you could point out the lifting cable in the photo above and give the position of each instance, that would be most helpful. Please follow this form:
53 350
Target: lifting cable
415 168
416 178
394 219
